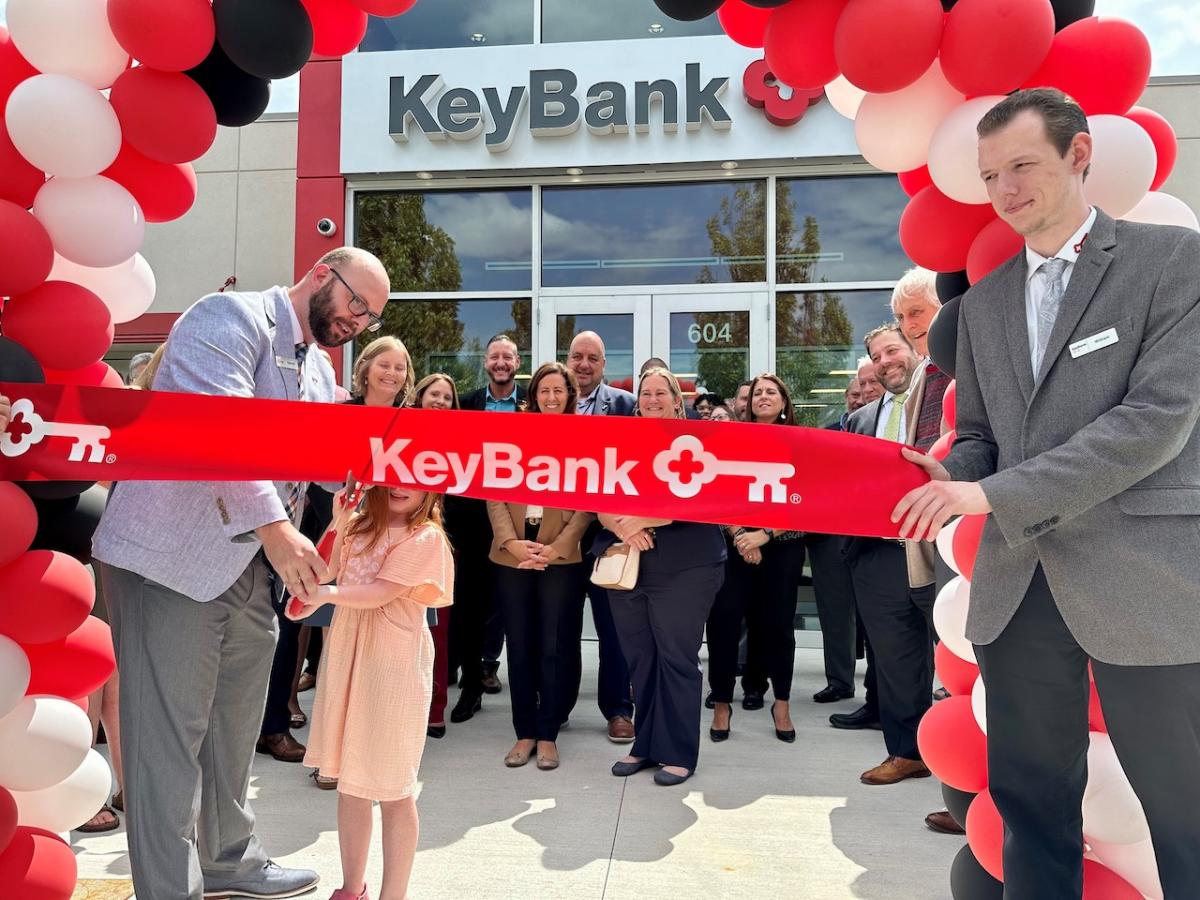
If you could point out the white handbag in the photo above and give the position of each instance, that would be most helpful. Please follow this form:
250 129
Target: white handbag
617 568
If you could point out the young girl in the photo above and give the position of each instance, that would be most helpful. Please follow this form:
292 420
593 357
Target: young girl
392 560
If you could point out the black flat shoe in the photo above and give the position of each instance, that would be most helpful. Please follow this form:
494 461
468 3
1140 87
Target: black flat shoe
788 737
625 769
670 779
863 717
466 707
830 694
436 731
721 734
752 700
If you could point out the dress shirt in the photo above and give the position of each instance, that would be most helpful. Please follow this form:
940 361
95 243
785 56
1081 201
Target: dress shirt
505 404
885 410
587 405
1035 284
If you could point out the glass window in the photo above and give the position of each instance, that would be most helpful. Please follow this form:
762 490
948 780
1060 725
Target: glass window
702 233
839 229
710 351
434 24
818 342
573 20
615 329
449 240
451 335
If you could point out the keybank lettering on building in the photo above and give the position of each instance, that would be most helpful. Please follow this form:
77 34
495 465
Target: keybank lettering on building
548 106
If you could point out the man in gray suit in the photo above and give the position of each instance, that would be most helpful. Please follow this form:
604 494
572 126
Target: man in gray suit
185 571
1078 396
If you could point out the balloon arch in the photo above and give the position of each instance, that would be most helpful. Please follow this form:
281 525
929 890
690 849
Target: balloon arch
95 145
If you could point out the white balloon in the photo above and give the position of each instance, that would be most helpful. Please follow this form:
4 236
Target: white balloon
1133 862
945 540
92 221
844 96
127 288
893 130
1123 164
68 37
954 152
979 703
1158 208
42 741
14 675
950 617
69 803
63 126
1112 813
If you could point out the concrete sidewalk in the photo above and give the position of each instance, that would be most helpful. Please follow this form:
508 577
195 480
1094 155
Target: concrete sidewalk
760 818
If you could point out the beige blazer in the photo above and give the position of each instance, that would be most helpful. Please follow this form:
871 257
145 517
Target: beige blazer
919 554
561 528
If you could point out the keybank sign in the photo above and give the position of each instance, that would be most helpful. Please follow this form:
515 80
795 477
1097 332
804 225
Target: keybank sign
553 106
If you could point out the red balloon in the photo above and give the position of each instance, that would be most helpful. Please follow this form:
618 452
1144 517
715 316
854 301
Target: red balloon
950 404
1102 883
799 42
1095 713
941 447
886 45
966 543
1102 62
956 674
165 116
985 834
1165 144
953 746
27 318
47 595
26 253
81 702
996 244
172 35
936 232
19 179
8 818
913 181
37 865
20 522
14 68
992 46
164 191
385 8
745 24
338 26
98 374
74 666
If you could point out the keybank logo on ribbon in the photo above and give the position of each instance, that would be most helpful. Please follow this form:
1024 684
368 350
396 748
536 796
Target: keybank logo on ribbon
26 428
685 468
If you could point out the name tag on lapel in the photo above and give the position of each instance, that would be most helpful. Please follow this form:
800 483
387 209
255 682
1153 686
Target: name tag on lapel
285 363
1095 342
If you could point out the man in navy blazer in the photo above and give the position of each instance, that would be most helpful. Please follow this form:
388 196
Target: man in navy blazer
188 570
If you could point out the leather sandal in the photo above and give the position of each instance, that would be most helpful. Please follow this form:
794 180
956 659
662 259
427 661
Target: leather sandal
324 782
88 828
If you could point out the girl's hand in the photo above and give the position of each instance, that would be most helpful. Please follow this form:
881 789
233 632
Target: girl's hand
750 540
523 551
297 609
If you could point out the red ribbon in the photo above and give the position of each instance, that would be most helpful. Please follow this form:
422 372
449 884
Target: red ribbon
772 476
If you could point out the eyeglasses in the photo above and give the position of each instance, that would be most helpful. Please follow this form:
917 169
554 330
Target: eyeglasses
358 306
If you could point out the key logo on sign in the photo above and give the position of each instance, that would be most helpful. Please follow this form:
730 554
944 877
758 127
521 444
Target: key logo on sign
686 467
763 92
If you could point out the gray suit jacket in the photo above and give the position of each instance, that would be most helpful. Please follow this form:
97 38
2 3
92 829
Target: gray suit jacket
611 401
1093 469
194 537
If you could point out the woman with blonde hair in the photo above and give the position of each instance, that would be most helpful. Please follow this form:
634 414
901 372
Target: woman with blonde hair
383 374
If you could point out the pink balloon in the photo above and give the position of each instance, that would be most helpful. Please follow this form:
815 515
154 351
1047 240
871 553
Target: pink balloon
92 221
894 130
1123 164
68 37
63 126
127 288
954 152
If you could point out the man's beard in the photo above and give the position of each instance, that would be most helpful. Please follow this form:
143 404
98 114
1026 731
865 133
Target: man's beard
321 317
501 377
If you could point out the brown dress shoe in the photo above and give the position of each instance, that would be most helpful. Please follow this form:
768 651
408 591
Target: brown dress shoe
893 769
283 747
943 823
620 730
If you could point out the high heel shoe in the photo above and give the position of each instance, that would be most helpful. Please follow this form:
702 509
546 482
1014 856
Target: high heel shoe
435 731
788 737
721 734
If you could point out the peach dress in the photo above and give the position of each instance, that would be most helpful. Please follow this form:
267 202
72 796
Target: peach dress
373 694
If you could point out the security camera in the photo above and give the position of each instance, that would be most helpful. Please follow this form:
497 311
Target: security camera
326 227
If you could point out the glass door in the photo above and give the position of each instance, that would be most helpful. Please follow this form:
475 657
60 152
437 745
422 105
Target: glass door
622 321
712 342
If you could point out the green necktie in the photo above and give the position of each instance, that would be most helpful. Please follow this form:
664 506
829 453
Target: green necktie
891 431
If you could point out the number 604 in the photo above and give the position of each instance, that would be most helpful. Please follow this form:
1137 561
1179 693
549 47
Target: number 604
709 333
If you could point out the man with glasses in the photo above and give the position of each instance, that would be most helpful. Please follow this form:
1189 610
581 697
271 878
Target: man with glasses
188 569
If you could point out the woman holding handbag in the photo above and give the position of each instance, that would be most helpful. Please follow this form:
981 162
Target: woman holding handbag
540 581
660 616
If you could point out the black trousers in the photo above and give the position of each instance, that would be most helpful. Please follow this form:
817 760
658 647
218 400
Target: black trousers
1037 698
661 625
614 693
899 625
543 620
834 591
765 595
474 586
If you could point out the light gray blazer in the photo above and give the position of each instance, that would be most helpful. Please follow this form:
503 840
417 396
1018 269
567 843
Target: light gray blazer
182 534
1094 468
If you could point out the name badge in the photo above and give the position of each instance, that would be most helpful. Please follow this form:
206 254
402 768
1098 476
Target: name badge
1095 342
287 363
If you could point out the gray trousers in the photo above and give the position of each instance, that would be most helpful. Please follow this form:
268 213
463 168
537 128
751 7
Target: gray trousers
193 684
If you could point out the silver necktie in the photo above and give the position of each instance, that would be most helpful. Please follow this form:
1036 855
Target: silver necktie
1047 312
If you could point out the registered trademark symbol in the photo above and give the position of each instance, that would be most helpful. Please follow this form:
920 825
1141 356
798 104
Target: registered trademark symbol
794 498
111 458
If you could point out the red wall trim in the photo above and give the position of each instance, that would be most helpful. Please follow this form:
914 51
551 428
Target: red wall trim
151 328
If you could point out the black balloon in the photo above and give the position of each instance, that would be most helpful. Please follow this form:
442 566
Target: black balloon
690 10
238 97
765 4
943 336
957 803
1068 11
948 5
68 525
267 38
54 490
18 365
970 881
951 285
